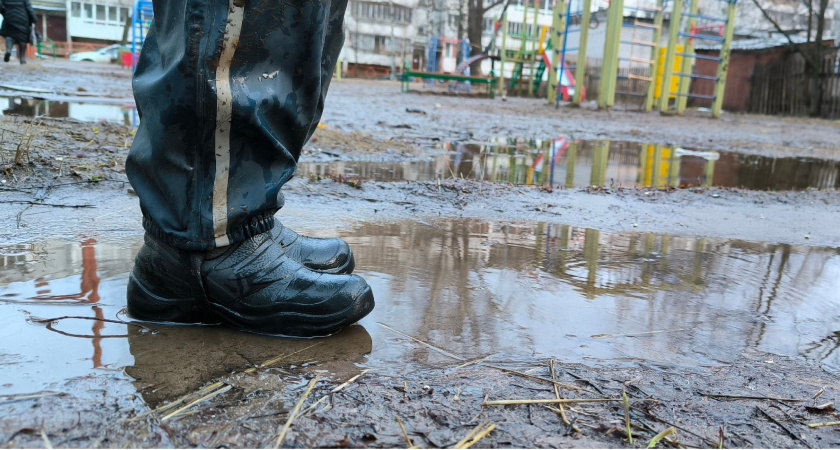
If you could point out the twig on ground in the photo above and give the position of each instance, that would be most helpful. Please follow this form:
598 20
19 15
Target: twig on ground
748 397
786 429
549 401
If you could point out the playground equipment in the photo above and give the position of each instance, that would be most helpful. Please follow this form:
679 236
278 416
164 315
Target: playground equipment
141 20
686 36
525 58
562 19
610 70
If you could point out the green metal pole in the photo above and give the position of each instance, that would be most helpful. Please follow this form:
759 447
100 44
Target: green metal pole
616 42
687 62
673 40
557 27
580 70
723 65
609 68
674 168
654 54
534 38
523 41
606 61
502 55
656 166
571 159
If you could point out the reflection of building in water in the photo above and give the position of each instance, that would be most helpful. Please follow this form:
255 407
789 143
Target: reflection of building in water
484 288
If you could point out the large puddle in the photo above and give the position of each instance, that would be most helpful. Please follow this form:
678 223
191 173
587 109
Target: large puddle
584 163
87 111
477 289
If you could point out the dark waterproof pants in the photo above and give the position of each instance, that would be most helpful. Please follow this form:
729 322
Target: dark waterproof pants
228 93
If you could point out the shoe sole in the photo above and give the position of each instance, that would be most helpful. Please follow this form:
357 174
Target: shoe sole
145 306
287 324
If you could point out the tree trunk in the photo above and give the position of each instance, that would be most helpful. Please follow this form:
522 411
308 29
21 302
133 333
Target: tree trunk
475 29
818 52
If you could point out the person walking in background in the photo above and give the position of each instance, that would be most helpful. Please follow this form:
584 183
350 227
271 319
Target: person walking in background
18 18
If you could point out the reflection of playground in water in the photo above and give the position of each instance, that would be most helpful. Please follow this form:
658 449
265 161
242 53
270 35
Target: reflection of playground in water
603 163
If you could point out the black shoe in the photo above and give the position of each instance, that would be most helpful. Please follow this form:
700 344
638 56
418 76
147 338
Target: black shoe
7 56
330 255
253 286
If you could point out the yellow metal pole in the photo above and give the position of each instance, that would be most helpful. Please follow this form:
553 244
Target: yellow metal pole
654 54
673 41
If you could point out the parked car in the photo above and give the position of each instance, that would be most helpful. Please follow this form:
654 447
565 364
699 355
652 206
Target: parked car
110 54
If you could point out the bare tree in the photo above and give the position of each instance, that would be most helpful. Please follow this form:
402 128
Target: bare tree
813 50
475 27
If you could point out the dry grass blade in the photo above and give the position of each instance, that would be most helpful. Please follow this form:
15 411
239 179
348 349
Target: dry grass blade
47 443
471 434
437 349
209 396
560 409
407 439
625 402
668 431
348 382
475 435
824 424
14 398
294 413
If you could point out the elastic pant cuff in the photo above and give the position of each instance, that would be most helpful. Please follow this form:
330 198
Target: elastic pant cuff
257 225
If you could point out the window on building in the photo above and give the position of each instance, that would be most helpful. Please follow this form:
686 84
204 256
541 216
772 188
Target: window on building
123 15
87 11
448 50
75 9
100 13
112 14
489 24
453 21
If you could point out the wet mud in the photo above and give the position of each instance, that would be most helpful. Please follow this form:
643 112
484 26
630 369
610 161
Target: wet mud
697 275
467 312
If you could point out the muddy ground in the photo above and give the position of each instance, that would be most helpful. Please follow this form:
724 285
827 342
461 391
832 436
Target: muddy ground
63 178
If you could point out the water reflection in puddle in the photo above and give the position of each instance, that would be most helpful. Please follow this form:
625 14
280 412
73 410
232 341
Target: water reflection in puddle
474 288
582 163
83 111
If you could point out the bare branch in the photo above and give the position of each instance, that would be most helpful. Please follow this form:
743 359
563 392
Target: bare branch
496 3
799 48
